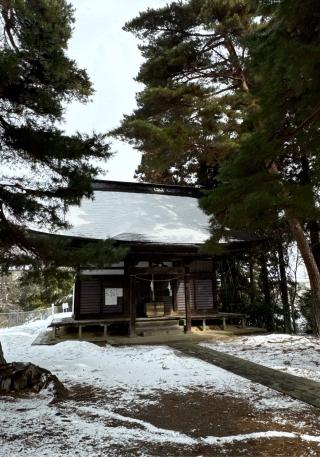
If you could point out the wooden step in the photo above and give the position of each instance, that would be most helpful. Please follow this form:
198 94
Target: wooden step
157 324
165 327
156 332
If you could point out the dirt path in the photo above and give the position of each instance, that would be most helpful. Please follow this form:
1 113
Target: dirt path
194 423
235 427
200 414
297 387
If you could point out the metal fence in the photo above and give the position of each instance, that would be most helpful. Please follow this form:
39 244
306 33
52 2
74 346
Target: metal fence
15 318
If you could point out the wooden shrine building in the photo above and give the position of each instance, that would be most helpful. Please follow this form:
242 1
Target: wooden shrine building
166 277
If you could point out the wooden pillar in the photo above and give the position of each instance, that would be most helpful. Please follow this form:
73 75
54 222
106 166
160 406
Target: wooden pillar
267 293
132 307
77 297
214 287
174 288
234 270
194 296
102 295
251 278
187 303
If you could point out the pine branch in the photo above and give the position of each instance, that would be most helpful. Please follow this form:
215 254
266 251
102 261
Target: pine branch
306 121
9 22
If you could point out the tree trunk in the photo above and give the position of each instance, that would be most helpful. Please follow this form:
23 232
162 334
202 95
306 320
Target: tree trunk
293 318
312 226
2 359
312 269
252 286
284 291
266 292
307 255
23 377
234 273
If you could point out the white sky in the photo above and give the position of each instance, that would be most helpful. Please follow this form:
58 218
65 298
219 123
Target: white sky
112 60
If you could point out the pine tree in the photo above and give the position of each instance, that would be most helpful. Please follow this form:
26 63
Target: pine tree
196 88
41 288
264 181
43 170
230 87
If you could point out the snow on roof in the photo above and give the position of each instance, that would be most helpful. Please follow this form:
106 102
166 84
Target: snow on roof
130 216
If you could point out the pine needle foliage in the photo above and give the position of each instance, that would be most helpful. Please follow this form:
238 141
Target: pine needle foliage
43 169
231 101
284 123
196 82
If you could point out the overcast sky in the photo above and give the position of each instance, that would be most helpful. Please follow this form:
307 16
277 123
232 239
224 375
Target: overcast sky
112 59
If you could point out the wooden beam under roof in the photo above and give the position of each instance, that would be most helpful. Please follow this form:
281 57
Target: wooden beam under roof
158 270
147 188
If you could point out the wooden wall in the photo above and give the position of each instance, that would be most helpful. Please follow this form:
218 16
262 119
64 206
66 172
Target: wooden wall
91 296
200 295
90 292
180 296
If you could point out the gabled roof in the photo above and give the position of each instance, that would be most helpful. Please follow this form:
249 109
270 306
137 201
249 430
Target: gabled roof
139 212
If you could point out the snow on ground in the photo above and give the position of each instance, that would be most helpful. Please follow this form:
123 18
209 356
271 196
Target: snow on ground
81 432
130 369
128 376
294 354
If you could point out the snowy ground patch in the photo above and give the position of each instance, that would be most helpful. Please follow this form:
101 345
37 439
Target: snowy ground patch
127 379
130 369
294 354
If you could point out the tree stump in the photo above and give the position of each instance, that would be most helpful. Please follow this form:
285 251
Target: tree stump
23 377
